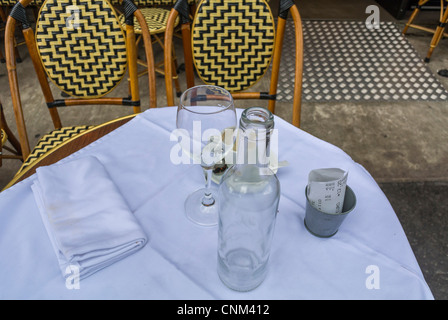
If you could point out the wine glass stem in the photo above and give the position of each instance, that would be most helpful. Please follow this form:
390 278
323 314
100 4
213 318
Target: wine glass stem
208 199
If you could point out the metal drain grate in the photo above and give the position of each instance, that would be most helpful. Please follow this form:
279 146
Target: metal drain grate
345 61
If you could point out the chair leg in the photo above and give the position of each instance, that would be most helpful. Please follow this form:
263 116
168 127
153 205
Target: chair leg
414 15
17 54
176 76
17 152
437 35
13 140
2 15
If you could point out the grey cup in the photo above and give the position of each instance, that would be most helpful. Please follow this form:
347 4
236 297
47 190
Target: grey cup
326 225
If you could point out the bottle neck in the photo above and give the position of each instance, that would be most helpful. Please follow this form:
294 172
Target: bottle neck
256 126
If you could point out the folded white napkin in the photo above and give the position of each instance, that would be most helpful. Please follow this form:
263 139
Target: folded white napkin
87 220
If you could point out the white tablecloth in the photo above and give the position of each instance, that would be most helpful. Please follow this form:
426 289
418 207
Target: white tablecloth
179 261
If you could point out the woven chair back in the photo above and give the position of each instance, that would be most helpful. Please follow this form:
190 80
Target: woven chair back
82 46
233 42
152 3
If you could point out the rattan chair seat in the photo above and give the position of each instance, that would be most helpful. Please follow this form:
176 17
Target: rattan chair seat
156 18
50 141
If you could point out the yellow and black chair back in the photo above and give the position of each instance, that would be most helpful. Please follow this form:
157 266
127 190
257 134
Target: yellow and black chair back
153 3
92 60
233 44
81 48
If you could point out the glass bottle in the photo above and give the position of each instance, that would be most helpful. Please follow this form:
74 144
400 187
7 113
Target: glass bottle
248 201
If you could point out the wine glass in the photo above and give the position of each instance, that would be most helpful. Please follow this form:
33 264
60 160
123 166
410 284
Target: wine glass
206 121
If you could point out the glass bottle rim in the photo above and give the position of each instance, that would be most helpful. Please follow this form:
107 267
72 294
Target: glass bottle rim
257 116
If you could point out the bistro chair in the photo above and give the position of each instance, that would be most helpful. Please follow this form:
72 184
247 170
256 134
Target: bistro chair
3 18
81 47
439 32
231 44
6 4
6 135
156 15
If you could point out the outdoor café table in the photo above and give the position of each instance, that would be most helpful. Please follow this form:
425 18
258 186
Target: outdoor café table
368 258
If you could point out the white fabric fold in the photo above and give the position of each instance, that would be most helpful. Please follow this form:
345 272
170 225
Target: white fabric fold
87 220
180 262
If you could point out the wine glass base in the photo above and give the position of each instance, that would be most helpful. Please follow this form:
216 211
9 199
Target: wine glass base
198 213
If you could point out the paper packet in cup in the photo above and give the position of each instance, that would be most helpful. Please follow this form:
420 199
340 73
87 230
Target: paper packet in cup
326 189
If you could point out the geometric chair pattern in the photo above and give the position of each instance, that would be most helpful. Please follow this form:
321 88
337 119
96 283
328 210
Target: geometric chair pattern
81 47
51 141
98 47
154 3
232 44
156 19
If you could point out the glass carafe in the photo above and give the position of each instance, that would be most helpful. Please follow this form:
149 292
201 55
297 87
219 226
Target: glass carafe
248 201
